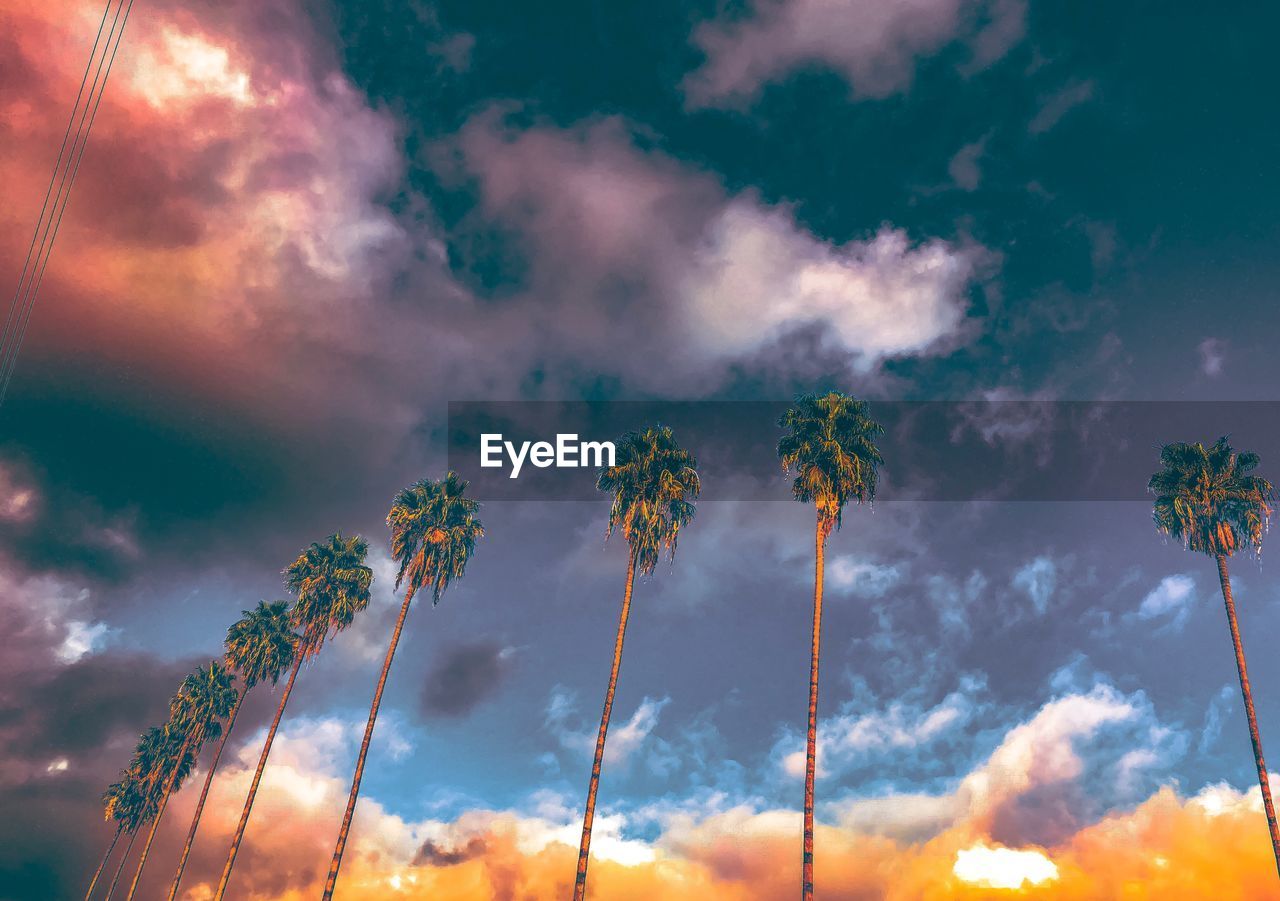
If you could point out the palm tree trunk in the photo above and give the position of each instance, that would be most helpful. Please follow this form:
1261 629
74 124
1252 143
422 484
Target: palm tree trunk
204 794
588 817
105 857
345 829
155 823
811 749
120 869
1247 692
257 777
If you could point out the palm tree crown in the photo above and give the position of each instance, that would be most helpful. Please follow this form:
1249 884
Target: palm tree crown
1208 498
204 697
154 758
433 533
261 644
332 584
830 446
126 803
653 482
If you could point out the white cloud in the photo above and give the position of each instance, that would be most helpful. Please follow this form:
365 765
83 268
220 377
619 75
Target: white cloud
873 45
906 817
625 240
48 617
1037 580
850 575
757 273
952 600
1003 868
1042 750
853 738
1219 705
81 639
1173 595
624 739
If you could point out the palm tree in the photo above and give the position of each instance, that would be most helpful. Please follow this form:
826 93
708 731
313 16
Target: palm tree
153 755
259 646
331 583
433 534
120 802
653 482
1208 498
830 446
204 698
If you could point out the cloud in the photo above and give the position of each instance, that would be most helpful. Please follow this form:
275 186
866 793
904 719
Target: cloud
756 274
48 617
1003 868
625 737
433 855
857 736
465 676
1054 107
875 46
850 575
1219 706
55 528
1038 580
618 239
1213 356
18 500
963 168
82 638
952 600
1173 595
891 846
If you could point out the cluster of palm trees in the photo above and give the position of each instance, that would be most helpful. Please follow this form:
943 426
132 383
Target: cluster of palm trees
433 534
1206 497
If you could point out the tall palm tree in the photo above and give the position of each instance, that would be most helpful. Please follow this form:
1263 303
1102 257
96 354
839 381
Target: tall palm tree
653 482
830 445
120 802
154 754
259 646
1209 499
433 534
331 583
204 698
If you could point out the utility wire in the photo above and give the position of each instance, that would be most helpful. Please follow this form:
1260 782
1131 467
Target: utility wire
33 270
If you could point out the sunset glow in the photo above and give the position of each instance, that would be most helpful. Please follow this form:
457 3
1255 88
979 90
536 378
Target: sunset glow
1003 868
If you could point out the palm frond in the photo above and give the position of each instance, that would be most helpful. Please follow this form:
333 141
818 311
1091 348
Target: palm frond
654 482
830 446
434 531
1208 499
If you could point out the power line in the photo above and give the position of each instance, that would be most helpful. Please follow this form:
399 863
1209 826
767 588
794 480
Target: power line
24 298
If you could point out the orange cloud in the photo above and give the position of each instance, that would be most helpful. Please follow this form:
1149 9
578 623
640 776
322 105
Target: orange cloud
1168 848
229 207
1210 845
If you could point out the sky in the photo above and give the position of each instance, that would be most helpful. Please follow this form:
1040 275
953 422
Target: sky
301 230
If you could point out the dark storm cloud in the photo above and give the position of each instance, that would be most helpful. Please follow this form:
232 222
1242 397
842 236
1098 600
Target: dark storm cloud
433 855
137 476
464 677
51 526
1045 815
84 706
67 732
